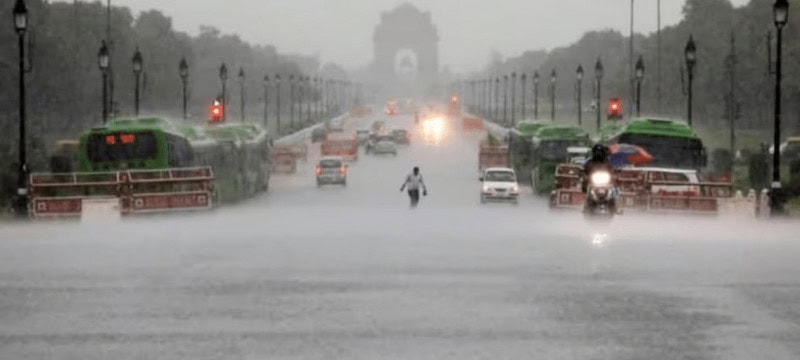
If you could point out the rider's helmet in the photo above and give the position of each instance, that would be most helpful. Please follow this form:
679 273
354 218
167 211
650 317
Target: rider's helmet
416 170
599 152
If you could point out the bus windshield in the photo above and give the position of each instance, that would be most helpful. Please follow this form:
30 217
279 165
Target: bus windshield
121 146
556 150
675 152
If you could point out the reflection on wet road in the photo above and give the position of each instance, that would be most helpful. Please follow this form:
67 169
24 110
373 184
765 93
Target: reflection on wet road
353 273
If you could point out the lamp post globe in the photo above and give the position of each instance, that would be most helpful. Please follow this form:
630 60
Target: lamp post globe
598 69
536 95
553 79
598 75
183 71
137 61
640 68
639 76
690 52
780 12
137 72
183 68
690 55
20 13
103 57
223 72
579 89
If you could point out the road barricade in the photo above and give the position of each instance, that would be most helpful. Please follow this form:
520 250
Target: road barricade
346 148
300 151
639 194
471 123
284 160
139 191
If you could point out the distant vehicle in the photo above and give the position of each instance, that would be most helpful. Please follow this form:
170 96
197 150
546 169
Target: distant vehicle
363 136
385 147
331 170
391 108
401 136
336 125
377 126
319 135
499 184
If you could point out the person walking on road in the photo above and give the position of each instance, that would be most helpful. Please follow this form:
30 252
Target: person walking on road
413 183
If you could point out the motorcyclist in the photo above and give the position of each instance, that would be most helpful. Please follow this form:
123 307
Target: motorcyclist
412 183
599 162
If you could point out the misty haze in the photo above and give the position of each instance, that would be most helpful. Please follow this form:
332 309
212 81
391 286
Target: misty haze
379 179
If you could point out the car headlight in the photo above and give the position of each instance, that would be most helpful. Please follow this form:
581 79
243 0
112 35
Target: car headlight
486 188
601 178
515 189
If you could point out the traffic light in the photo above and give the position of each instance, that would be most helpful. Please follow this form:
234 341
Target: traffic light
615 109
216 111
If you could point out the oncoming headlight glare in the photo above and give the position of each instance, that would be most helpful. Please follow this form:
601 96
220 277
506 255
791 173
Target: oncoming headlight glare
601 178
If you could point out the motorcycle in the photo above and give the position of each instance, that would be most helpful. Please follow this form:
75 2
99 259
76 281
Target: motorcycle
600 195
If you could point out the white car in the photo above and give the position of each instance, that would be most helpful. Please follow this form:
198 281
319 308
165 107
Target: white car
499 184
385 147
331 170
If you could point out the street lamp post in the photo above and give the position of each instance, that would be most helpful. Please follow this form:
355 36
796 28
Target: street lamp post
690 54
21 26
326 96
266 101
553 78
278 103
496 98
317 98
639 78
103 62
242 94
308 99
301 96
536 95
487 97
473 97
513 99
524 79
598 76
223 76
137 74
505 99
291 101
579 88
183 68
781 14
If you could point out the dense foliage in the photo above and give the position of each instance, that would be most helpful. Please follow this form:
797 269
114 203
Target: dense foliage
65 84
712 23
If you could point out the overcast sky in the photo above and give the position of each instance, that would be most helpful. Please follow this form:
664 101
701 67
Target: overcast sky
341 30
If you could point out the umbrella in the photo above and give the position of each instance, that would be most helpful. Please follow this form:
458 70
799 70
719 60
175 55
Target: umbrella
627 154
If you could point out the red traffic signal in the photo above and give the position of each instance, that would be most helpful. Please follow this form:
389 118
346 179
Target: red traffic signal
615 109
216 111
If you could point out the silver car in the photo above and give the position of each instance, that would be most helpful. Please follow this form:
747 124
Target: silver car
385 147
331 170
